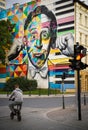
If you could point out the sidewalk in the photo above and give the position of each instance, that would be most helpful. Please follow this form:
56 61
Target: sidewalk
69 117
40 118
58 119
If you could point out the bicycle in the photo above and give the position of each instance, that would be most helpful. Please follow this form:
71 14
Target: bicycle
17 113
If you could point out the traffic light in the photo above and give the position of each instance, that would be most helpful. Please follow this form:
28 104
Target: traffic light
63 75
83 66
72 65
79 53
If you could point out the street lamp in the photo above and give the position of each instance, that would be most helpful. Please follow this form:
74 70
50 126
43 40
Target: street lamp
63 103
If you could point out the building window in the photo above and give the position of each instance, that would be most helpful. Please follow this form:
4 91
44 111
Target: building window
86 40
80 38
80 18
86 23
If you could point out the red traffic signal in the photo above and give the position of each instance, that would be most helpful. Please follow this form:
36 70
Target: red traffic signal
79 53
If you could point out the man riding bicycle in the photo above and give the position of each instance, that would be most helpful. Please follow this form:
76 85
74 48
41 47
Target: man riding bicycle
16 97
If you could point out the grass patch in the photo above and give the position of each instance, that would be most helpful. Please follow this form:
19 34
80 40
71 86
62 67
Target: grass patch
46 92
39 92
42 92
36 92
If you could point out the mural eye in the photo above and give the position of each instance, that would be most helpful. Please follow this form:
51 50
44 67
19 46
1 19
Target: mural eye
33 36
45 35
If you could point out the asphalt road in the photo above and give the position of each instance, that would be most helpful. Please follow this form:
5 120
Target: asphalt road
35 114
44 102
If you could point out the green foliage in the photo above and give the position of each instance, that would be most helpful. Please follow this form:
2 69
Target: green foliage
6 29
2 55
24 83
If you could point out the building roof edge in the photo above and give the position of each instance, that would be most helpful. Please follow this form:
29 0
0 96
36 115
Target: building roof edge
80 2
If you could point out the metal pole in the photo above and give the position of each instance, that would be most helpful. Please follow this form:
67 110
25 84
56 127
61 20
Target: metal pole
48 91
63 104
84 99
39 91
78 95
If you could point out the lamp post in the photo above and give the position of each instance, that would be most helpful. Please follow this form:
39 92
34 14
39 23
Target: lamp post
63 103
79 95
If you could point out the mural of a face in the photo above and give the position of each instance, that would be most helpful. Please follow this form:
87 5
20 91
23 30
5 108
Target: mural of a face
39 40
41 26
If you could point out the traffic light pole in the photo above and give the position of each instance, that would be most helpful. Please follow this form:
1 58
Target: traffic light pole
79 95
63 103
77 64
63 77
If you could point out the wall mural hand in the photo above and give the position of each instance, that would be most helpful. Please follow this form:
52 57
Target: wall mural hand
66 44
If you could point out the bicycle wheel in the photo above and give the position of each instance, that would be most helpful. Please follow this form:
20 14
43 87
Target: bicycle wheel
19 116
11 115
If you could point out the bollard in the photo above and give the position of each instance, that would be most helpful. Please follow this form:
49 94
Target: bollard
84 99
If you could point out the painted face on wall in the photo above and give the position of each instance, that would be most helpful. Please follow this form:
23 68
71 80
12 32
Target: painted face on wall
38 46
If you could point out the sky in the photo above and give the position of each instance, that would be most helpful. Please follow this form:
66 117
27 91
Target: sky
9 3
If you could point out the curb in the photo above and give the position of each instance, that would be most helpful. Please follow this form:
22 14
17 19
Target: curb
38 96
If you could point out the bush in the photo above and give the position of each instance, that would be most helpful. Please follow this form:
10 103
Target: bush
24 83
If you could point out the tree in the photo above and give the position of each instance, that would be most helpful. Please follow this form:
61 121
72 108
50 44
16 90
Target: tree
6 28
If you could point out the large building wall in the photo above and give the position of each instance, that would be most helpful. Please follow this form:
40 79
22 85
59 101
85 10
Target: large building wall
3 14
81 36
2 5
81 25
64 12
57 62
